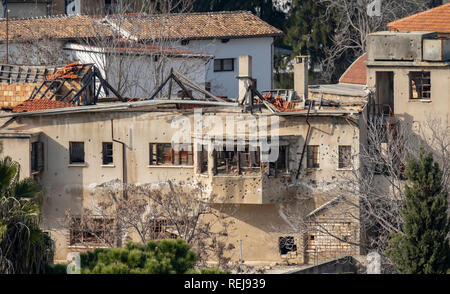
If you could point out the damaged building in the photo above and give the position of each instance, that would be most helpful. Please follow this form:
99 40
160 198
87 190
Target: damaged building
71 148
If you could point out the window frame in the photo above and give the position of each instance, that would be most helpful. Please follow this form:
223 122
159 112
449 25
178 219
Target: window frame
415 76
222 65
236 167
105 228
71 161
341 164
313 156
104 156
170 157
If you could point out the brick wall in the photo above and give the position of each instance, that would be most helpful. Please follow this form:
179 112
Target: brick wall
13 94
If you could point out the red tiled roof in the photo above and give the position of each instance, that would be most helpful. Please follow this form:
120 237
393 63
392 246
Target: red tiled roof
40 104
356 73
433 20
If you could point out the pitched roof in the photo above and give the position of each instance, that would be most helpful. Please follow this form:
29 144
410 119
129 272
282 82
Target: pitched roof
239 24
356 73
433 20
234 24
40 104
61 27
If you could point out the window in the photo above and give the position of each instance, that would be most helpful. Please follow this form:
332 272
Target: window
345 156
37 157
237 162
107 153
286 245
162 229
313 156
76 150
203 160
164 154
226 64
91 231
420 85
282 163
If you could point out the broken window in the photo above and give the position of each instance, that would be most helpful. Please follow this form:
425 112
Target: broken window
345 156
236 162
203 160
107 153
37 157
226 64
286 245
312 156
282 163
91 231
164 154
76 150
162 229
420 85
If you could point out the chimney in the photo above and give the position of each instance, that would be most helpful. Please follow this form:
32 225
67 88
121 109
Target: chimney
301 76
245 78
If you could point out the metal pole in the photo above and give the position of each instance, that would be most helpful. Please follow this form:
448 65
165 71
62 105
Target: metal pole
7 34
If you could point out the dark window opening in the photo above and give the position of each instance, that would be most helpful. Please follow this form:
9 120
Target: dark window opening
313 157
345 156
226 64
164 154
107 153
91 231
76 150
282 163
203 159
37 157
420 85
184 42
226 162
162 229
286 245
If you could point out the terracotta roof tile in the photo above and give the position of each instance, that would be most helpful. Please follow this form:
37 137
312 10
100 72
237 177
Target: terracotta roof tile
40 104
239 24
63 27
433 20
356 73
235 24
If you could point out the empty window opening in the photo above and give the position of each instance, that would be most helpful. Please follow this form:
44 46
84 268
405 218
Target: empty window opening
107 153
37 157
420 85
76 150
237 162
286 245
226 64
162 229
313 156
91 231
203 160
281 165
164 154
345 156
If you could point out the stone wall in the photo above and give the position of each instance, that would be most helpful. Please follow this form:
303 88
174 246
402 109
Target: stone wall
13 94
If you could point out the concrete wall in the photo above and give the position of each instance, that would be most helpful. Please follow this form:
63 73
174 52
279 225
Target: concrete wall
260 219
225 83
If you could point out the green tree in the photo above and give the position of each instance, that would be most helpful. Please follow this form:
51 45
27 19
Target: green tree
162 257
307 32
423 248
24 248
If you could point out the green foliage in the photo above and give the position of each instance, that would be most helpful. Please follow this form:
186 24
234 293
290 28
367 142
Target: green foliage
307 32
24 248
163 257
423 248
57 269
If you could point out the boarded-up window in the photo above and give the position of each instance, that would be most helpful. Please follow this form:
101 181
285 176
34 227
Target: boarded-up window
76 150
107 153
164 154
313 156
286 245
91 231
420 85
37 156
345 156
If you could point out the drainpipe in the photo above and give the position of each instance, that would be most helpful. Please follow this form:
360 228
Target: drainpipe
124 162
306 139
